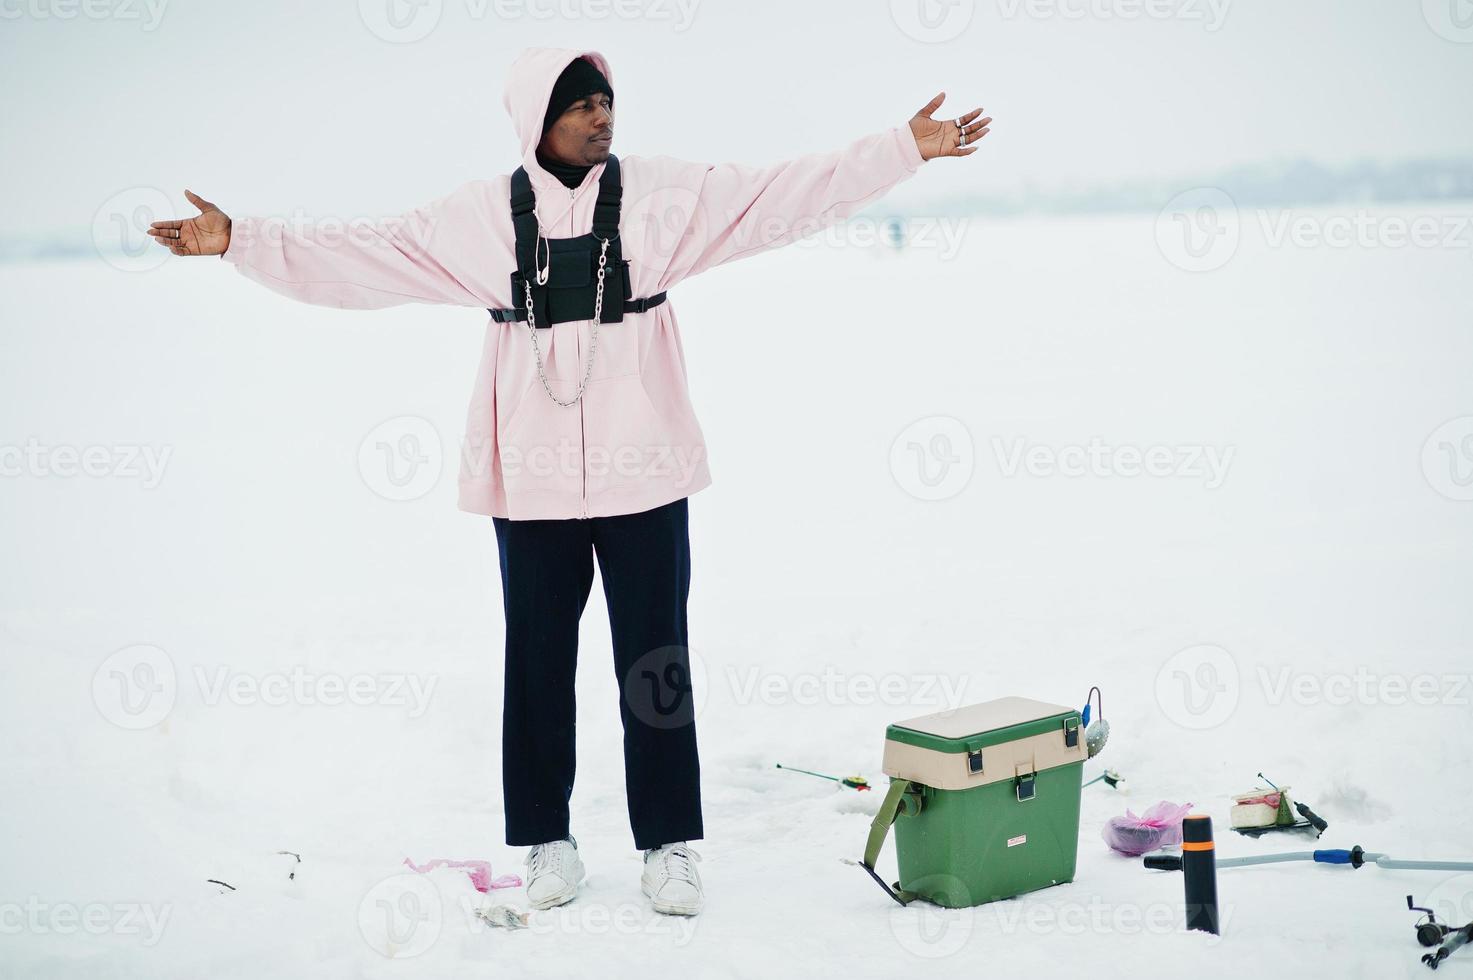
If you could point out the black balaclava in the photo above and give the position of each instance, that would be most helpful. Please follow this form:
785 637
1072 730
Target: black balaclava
578 80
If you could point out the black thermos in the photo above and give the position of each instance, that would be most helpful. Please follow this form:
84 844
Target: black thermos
1199 867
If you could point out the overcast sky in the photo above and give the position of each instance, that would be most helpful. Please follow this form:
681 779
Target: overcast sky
341 106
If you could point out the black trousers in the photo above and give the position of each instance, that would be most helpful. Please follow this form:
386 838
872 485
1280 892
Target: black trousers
546 578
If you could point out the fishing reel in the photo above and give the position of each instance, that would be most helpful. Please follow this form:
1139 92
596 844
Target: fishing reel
1430 932
1448 939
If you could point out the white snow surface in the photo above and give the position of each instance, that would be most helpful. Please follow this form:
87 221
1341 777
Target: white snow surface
1308 617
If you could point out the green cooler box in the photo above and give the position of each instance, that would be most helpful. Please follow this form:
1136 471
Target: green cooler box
984 800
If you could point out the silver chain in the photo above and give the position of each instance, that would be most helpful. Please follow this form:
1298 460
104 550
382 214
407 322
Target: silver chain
598 308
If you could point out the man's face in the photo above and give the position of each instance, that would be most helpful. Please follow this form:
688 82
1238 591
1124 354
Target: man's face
583 135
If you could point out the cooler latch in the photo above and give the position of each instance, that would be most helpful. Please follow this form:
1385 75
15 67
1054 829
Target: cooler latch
1071 732
974 761
1025 783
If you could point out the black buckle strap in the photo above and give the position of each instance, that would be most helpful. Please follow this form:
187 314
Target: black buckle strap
644 303
641 305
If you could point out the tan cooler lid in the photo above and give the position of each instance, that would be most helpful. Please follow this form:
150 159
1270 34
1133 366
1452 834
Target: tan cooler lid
985 717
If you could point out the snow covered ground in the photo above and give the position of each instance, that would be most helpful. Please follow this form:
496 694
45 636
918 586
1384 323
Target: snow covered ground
1287 591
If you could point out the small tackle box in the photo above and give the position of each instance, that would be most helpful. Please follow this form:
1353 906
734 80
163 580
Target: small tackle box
984 801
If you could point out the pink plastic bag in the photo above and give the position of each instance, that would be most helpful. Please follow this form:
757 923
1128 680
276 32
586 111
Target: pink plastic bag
1159 826
479 872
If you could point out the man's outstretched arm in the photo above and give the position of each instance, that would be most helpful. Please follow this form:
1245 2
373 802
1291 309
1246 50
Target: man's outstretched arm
736 210
362 265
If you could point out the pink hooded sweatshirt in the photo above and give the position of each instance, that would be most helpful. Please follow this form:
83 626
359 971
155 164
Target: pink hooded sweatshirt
632 442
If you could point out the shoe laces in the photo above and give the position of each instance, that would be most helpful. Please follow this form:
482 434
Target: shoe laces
676 859
544 857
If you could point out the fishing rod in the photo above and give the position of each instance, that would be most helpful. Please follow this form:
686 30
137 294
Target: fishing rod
1110 777
1356 857
853 782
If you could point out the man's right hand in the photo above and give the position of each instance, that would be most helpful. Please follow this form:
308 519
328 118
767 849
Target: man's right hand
207 234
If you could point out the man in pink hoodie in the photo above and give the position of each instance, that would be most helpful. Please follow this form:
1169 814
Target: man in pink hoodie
581 440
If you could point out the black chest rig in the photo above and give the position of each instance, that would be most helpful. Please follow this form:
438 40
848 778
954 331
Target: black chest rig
571 264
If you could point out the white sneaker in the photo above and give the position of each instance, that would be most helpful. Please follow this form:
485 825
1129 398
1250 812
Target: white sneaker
671 881
554 873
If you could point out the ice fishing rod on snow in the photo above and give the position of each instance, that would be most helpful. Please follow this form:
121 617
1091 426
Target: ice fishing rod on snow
1356 857
853 782
1257 813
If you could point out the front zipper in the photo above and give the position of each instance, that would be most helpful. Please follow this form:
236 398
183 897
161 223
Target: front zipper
578 342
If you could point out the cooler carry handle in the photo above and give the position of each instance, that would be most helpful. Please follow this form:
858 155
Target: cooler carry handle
879 829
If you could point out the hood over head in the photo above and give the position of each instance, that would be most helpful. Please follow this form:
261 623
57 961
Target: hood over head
529 85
